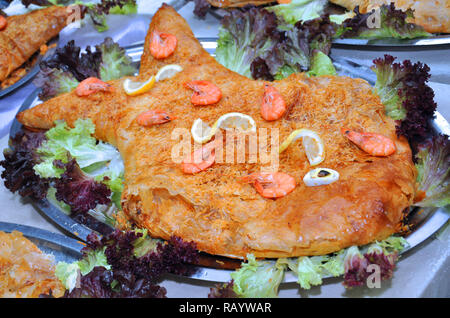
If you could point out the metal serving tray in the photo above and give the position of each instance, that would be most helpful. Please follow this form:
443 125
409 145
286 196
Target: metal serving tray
425 222
65 249
435 41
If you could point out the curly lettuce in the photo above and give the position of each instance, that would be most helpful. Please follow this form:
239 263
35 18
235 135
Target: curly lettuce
68 167
125 264
321 64
258 279
261 278
115 62
91 156
433 167
402 88
54 82
18 165
78 190
244 36
69 273
85 172
69 66
385 22
305 47
99 10
256 44
299 10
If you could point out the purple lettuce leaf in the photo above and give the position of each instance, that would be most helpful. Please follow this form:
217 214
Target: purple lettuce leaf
70 59
201 7
20 158
54 82
403 89
433 166
78 190
357 270
224 290
133 276
392 24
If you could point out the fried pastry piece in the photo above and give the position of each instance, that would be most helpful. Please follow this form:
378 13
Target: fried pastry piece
24 35
432 15
213 208
26 272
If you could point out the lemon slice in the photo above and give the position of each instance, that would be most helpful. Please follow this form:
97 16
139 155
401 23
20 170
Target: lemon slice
314 147
168 71
202 132
136 88
320 176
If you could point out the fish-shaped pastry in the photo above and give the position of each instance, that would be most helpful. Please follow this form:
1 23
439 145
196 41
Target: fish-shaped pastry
214 208
25 34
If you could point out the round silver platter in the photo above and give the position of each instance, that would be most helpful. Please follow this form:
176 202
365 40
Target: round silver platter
63 248
425 222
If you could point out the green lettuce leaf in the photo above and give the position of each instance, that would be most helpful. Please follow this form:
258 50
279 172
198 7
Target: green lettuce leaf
99 11
299 10
69 274
51 196
115 183
91 259
385 22
258 279
262 278
115 62
98 160
392 244
244 36
321 64
433 167
92 157
144 244
307 269
54 82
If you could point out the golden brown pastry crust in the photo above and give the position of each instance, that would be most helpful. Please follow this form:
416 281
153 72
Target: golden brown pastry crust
432 15
26 272
25 34
212 208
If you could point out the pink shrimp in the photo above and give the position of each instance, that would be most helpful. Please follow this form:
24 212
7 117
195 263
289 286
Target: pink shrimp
3 23
162 45
271 185
372 143
205 92
91 85
273 105
154 117
201 159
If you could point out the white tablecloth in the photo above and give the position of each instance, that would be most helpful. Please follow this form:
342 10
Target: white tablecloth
422 272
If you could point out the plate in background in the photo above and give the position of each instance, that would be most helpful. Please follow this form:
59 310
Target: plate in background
34 69
437 41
